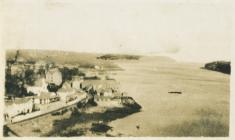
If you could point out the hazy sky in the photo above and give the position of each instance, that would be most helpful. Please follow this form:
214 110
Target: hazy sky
188 30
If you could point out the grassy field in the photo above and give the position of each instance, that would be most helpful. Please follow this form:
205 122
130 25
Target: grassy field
201 110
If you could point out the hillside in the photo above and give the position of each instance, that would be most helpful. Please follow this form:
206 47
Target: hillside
61 57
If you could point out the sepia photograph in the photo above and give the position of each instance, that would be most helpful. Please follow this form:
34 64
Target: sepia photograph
109 68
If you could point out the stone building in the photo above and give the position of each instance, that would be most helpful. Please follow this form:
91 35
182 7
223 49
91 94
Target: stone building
54 76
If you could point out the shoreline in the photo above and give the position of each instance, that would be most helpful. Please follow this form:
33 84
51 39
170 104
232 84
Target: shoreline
78 119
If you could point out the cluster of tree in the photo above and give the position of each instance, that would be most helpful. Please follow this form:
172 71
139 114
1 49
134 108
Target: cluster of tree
67 73
221 66
29 77
14 85
53 87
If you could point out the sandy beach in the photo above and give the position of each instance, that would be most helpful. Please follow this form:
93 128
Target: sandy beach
201 110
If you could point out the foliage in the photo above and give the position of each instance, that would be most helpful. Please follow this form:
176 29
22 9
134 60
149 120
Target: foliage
221 66
29 77
52 87
15 85
67 73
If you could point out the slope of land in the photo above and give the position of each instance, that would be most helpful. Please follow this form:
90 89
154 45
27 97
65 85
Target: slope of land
61 57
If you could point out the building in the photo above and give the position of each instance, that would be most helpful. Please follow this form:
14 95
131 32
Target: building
65 93
17 69
17 107
89 73
67 85
19 59
46 98
98 67
105 92
39 65
39 87
71 66
54 76
77 82
69 93
101 84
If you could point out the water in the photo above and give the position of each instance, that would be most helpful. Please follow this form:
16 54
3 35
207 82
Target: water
149 82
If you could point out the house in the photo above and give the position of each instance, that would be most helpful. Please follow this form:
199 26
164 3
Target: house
105 92
10 61
75 96
39 87
89 73
28 66
89 89
67 85
54 76
98 67
17 69
17 107
100 84
64 94
71 66
46 98
68 92
101 90
40 65
77 82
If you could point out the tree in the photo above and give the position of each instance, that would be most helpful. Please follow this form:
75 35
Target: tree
29 77
52 87
15 85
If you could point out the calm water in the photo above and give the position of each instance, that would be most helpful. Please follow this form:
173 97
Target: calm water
149 82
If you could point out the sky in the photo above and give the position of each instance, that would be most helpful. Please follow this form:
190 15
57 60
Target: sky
187 30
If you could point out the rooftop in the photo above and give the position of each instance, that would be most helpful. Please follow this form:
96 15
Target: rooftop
101 83
52 70
45 95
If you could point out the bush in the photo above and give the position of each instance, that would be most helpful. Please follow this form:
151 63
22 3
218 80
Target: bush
52 87
221 66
